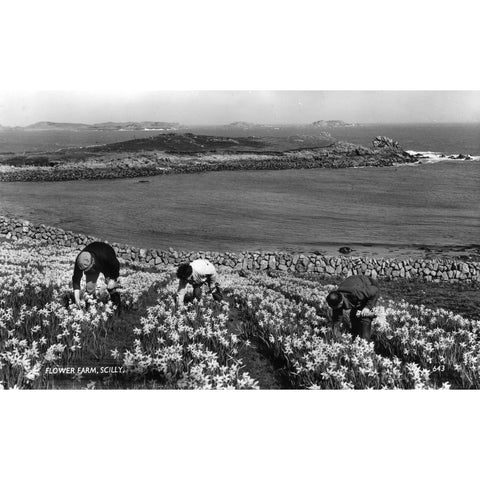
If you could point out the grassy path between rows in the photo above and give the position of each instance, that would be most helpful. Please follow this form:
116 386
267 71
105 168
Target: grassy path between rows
256 360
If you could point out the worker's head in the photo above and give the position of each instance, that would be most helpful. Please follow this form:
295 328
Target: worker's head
184 271
85 261
335 299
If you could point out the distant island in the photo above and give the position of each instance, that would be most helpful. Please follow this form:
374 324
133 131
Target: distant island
333 123
119 126
245 125
136 126
156 126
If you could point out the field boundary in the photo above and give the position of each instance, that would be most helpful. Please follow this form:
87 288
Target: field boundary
431 269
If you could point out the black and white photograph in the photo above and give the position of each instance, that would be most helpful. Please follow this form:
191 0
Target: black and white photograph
239 240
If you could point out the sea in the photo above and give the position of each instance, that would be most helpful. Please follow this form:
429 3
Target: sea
433 205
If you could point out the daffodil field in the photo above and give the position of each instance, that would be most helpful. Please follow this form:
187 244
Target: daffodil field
39 331
413 347
152 343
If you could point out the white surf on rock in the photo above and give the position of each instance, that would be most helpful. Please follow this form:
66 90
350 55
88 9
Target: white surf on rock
434 157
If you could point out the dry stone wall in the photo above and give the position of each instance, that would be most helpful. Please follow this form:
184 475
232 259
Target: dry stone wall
440 269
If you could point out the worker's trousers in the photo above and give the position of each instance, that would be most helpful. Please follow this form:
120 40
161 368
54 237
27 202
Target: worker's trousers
197 290
361 326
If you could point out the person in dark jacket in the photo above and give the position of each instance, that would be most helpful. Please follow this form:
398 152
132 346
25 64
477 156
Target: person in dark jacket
96 258
359 294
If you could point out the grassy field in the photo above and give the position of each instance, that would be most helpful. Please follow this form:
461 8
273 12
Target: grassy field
270 332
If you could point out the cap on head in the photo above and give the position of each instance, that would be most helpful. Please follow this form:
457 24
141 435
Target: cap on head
85 260
334 299
184 271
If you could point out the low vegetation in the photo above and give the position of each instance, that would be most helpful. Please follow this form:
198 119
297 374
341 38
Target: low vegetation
188 153
45 342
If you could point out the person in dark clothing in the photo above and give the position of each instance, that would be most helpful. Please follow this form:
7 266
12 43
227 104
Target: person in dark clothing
359 294
96 258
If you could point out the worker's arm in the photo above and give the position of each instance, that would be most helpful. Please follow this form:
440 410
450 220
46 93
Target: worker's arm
76 295
182 289
212 281
336 315
111 273
76 278
213 277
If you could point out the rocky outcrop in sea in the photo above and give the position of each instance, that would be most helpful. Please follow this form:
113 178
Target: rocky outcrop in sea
140 163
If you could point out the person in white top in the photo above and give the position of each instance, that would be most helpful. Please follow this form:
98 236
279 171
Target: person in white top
197 273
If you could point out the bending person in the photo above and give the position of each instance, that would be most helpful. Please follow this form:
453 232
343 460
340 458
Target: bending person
359 294
96 258
197 273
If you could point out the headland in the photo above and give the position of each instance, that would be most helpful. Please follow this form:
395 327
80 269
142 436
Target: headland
170 153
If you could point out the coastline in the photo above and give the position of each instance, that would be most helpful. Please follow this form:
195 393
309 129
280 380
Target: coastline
461 252
135 159
278 210
131 160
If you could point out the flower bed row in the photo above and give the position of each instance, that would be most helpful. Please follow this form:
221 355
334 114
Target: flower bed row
429 348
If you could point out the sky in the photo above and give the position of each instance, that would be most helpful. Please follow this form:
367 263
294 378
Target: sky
202 107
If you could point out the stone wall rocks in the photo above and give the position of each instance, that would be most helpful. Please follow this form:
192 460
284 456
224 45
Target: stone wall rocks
435 270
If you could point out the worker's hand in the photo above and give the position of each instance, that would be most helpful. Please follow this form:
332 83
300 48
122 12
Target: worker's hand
217 295
76 296
113 284
179 304
79 306
366 312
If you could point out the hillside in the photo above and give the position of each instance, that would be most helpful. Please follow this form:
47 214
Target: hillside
192 143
